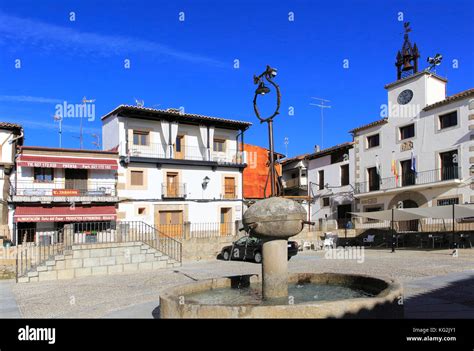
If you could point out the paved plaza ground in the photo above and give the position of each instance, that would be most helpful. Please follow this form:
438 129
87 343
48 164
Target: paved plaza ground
436 285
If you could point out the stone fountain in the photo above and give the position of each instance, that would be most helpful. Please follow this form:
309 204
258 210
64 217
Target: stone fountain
274 220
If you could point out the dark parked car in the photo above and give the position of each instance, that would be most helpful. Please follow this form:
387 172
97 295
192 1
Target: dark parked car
250 248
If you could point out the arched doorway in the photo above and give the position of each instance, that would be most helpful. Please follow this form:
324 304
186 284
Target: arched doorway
409 226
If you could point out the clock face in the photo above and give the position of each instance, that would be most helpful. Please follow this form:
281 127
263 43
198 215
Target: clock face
405 97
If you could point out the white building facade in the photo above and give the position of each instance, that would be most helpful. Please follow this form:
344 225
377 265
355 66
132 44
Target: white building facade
56 187
330 186
294 176
11 136
176 168
422 153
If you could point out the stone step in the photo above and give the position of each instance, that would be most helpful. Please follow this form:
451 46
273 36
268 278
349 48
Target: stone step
32 274
59 257
42 268
50 263
23 280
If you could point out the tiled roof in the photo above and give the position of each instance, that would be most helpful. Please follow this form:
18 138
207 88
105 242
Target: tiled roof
452 98
176 114
369 125
292 159
328 150
10 126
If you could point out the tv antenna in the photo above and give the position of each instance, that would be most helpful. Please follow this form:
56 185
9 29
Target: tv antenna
286 142
96 141
81 133
139 102
59 119
322 105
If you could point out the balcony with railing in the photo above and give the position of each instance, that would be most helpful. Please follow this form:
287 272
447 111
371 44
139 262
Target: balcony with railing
186 153
60 191
410 179
299 182
229 192
173 190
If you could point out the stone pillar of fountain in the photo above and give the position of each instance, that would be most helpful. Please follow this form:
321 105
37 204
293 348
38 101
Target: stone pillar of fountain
275 269
274 220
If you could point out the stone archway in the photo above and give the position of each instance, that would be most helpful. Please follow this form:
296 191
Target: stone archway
408 199
416 197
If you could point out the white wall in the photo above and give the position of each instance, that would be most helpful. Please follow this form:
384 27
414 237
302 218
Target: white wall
110 133
429 141
427 90
332 176
202 204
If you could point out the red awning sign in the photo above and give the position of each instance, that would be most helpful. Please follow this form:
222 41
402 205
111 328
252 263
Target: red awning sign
66 162
65 192
64 214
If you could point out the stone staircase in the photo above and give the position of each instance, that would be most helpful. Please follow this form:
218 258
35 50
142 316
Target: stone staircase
100 259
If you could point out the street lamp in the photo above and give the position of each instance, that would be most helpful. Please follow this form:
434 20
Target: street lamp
262 89
205 181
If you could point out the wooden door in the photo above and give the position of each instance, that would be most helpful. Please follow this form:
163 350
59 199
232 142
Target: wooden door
229 188
171 223
172 184
179 147
226 221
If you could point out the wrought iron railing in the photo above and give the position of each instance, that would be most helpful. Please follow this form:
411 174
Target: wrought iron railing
192 153
409 179
38 247
173 190
188 230
56 188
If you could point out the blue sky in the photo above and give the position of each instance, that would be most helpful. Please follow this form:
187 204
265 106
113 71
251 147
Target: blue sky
190 63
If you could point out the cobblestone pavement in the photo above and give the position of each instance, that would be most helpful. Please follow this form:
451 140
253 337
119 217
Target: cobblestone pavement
432 279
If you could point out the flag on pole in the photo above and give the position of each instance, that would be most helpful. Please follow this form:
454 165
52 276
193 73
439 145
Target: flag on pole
413 163
394 168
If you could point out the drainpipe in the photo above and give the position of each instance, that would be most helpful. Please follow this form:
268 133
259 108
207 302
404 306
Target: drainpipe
170 141
208 144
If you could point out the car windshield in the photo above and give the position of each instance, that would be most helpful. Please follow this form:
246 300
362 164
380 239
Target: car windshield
253 241
246 240
242 241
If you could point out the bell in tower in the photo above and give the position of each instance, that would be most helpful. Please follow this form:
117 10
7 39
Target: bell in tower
407 58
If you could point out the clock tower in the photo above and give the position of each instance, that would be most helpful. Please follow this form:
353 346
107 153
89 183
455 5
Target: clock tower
413 90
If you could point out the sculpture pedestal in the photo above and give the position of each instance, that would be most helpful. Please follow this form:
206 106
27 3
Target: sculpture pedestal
275 269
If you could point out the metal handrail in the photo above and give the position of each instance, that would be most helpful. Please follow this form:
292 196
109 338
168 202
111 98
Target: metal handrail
409 179
89 188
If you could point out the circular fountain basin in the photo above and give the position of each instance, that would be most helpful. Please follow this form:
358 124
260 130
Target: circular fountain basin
311 295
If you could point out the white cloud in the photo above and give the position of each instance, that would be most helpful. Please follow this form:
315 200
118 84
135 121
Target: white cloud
33 99
52 38
52 126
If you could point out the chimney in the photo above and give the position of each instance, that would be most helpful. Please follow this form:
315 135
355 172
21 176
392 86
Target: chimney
317 148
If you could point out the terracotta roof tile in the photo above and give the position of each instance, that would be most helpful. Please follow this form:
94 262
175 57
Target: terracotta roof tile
10 126
369 125
328 150
452 98
176 113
